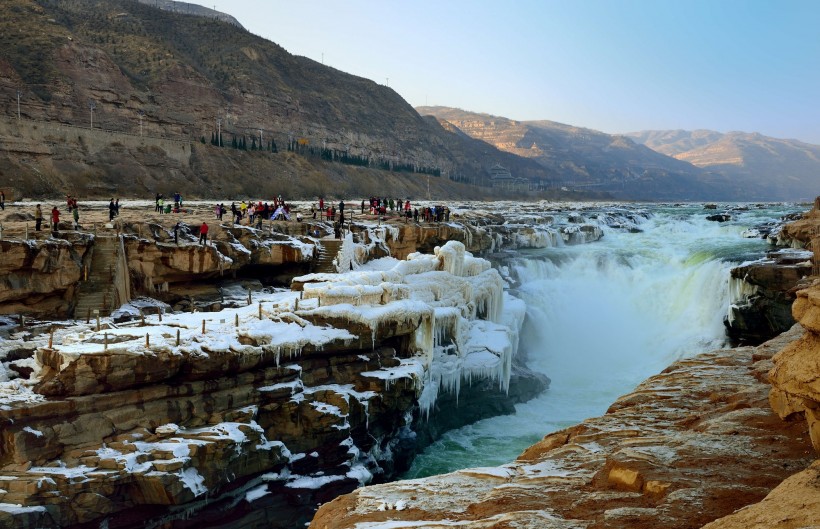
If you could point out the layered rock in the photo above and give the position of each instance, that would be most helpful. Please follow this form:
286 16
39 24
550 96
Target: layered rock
762 293
301 395
40 277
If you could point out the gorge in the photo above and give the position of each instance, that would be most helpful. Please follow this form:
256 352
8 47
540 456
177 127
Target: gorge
211 424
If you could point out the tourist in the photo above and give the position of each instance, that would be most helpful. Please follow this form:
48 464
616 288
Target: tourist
177 226
55 219
321 204
203 233
362 206
2 200
75 213
112 210
337 230
38 217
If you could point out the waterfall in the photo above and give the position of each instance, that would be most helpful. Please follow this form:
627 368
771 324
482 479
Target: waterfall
602 317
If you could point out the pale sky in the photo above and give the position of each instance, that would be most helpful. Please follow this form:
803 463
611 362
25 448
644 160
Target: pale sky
610 65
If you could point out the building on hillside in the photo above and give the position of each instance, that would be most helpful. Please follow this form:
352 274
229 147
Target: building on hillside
500 177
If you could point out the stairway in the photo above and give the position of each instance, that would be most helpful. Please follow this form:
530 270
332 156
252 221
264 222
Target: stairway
97 292
327 252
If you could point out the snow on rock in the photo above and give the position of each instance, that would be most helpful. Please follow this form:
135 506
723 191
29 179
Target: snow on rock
455 299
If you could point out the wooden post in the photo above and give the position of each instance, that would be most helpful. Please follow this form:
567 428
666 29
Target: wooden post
147 341
105 342
88 316
142 318
203 326
85 273
22 320
26 230
236 320
260 310
97 313
159 313
51 338
296 305
249 296
177 337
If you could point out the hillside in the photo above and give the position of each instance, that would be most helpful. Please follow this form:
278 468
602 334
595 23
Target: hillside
584 158
772 168
159 86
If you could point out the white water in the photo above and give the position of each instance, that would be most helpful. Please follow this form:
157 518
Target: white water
601 318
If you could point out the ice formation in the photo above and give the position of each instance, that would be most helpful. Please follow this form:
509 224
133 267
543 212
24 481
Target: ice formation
455 299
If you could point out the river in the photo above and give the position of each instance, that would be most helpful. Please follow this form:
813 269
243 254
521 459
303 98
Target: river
603 316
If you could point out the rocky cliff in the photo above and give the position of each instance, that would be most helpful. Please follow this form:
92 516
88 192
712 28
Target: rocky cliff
298 396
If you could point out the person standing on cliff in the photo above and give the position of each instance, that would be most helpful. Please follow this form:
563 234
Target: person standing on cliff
38 218
203 233
75 213
55 219
2 200
112 210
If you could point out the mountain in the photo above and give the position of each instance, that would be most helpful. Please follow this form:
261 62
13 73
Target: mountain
771 168
119 97
191 9
584 158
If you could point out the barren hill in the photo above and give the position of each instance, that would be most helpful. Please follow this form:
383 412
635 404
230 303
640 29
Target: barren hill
117 96
585 158
774 168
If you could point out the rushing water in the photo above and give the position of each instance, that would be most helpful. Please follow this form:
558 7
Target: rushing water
603 316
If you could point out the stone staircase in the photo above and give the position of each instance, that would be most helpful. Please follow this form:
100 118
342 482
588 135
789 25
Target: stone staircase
327 252
97 292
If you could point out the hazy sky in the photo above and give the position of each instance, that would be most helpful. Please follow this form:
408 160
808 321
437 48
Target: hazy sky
610 65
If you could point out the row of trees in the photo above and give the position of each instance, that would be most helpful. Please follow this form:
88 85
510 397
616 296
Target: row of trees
241 143
302 147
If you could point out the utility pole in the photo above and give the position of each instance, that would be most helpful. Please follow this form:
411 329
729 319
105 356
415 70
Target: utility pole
92 105
18 105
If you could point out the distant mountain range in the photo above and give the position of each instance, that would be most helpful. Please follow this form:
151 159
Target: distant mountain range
777 168
652 164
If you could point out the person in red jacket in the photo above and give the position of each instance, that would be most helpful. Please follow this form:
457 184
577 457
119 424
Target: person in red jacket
203 233
55 218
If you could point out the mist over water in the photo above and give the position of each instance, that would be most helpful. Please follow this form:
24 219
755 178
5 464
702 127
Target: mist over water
602 317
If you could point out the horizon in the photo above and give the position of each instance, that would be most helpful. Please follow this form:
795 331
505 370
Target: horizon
616 67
